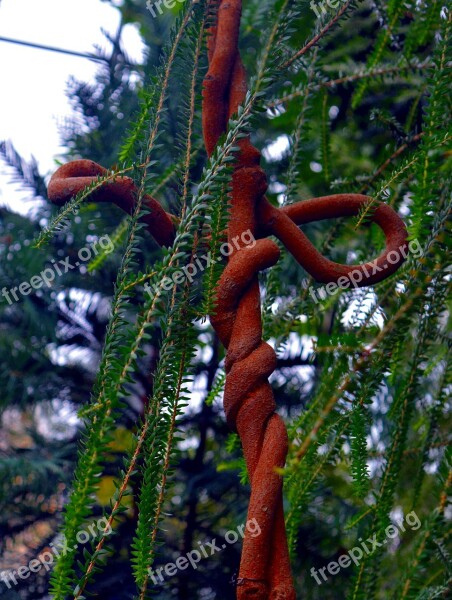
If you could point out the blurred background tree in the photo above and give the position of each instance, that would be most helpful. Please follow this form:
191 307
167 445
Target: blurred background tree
362 111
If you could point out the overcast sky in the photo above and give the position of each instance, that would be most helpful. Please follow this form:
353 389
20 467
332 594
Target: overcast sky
33 82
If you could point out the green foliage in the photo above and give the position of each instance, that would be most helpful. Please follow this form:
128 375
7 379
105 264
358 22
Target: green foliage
361 100
392 16
358 438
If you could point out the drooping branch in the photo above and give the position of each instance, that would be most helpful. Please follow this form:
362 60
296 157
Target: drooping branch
249 402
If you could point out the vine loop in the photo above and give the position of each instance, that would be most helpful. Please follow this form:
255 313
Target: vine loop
248 400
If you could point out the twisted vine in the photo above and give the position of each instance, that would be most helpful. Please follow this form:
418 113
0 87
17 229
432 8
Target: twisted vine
248 400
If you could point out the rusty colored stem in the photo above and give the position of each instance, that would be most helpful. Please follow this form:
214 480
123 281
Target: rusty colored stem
72 178
248 400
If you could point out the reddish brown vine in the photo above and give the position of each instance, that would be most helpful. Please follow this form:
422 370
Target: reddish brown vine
248 400
74 177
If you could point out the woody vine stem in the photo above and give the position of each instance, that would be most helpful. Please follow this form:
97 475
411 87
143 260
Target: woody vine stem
248 399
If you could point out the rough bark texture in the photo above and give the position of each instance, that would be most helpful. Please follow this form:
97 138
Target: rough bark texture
248 401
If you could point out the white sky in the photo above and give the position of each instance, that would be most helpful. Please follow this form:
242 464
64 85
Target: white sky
33 82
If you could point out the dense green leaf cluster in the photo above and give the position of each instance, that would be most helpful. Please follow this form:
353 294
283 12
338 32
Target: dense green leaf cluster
359 101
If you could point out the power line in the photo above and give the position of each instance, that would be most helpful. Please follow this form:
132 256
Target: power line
53 49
